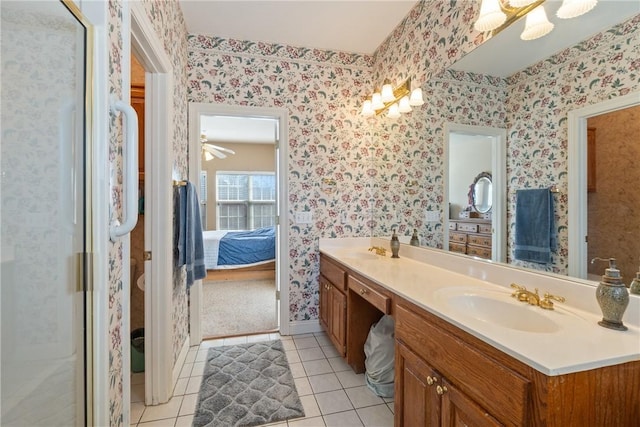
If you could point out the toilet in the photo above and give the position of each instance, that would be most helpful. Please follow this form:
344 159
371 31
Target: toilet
140 282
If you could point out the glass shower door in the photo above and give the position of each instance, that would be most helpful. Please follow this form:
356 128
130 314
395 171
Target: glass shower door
43 219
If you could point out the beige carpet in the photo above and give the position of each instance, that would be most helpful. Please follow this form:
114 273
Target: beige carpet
238 307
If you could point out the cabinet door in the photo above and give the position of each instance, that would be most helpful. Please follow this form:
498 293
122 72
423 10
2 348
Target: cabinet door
416 400
324 303
338 319
459 410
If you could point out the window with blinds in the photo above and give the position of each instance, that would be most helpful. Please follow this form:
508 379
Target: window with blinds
245 201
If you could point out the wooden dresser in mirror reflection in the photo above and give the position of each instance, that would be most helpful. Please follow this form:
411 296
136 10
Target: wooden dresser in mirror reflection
471 236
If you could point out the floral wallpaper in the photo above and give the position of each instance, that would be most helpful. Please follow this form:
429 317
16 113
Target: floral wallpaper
168 21
411 147
600 68
115 249
328 139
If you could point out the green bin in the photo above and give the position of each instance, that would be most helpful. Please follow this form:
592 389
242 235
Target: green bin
137 350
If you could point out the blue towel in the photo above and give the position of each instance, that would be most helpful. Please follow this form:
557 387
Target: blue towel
190 242
535 233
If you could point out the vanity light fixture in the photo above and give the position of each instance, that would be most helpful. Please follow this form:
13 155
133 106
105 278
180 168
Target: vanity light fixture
394 100
496 15
536 25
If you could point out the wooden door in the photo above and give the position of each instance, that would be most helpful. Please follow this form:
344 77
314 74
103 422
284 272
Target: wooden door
458 410
338 319
416 401
325 286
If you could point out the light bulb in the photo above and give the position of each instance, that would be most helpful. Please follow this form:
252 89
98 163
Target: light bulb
416 97
536 25
367 110
387 93
404 106
491 16
208 156
393 113
376 102
574 8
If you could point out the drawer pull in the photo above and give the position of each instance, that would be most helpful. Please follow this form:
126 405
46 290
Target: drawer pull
441 390
431 380
363 291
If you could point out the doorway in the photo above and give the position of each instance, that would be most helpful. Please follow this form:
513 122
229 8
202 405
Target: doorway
477 149
577 180
221 213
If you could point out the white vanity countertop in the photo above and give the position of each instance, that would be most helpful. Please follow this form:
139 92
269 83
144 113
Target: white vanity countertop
568 339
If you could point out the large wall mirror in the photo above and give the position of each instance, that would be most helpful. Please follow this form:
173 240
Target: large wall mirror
535 127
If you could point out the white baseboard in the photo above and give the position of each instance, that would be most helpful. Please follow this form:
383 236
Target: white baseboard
178 366
304 327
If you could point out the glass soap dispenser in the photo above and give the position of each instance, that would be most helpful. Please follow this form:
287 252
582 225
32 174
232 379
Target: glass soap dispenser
414 238
612 296
395 245
634 288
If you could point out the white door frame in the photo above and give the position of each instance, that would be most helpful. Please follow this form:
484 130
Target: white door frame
158 294
499 179
577 176
282 236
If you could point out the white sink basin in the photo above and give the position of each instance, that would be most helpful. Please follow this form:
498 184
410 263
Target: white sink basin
498 309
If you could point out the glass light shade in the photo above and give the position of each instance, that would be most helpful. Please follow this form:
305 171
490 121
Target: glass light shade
394 112
208 156
404 106
387 93
536 25
520 3
376 101
416 97
367 109
573 8
491 16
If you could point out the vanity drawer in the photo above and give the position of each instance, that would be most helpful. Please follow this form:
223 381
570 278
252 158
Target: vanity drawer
333 272
452 225
479 240
375 298
479 251
485 228
458 247
469 228
457 237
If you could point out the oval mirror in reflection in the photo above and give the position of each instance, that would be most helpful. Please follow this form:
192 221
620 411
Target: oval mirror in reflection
482 192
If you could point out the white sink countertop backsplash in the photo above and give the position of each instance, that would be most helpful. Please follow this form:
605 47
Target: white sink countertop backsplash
423 276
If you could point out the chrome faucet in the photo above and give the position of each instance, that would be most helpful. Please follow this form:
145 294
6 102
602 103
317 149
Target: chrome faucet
379 250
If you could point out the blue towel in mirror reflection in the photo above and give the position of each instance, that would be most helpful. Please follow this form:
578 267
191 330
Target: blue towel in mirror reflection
535 230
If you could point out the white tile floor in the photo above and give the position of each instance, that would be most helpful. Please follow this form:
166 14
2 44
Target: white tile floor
331 393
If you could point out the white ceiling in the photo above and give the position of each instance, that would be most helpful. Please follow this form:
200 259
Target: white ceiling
231 129
357 26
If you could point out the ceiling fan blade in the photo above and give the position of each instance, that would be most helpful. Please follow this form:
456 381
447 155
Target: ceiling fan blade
217 147
213 151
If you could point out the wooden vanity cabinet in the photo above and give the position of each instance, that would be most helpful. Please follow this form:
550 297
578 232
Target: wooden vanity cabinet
333 302
487 387
470 387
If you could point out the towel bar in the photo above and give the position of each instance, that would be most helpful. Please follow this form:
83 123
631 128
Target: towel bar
179 183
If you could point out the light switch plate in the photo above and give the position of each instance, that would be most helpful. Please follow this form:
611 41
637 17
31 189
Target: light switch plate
303 217
432 216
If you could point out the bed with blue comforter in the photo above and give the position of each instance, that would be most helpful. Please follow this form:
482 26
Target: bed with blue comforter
237 249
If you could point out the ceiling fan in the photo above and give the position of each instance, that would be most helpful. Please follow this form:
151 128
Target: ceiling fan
211 150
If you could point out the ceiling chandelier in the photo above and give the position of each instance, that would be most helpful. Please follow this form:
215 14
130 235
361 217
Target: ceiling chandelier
211 150
394 100
496 15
